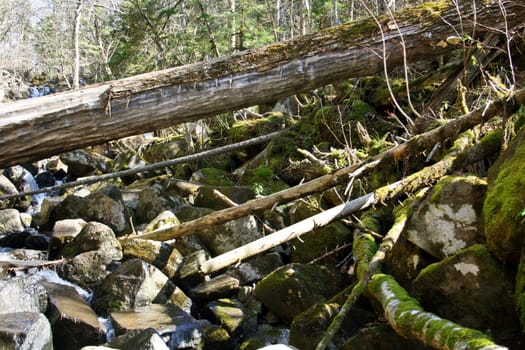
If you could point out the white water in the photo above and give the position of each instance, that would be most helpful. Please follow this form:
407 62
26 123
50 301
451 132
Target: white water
36 199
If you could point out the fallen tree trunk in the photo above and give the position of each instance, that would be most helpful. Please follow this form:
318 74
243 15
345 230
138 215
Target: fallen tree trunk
36 128
410 320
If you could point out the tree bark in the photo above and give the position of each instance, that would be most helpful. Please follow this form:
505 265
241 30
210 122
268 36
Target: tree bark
38 128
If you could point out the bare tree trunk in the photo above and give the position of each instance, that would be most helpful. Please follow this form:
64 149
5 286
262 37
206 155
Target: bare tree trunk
76 43
37 128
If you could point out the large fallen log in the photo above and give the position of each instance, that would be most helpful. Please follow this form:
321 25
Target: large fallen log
36 128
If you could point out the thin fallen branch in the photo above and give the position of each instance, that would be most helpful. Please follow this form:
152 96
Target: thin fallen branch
149 167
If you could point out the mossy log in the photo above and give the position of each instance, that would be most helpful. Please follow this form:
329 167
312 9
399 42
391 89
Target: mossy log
37 128
406 316
366 271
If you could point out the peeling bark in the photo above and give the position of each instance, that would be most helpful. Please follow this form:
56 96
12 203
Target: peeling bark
36 128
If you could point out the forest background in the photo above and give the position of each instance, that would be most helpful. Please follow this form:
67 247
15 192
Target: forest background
89 41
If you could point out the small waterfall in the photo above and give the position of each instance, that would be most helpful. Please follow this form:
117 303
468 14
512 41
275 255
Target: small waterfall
36 199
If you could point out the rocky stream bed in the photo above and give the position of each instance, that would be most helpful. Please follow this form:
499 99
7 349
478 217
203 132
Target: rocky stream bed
78 274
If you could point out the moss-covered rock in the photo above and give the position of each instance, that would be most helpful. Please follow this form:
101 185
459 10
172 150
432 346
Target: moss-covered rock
293 288
212 177
505 201
519 291
450 217
473 289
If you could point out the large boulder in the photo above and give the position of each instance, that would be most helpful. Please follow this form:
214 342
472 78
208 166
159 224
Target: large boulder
295 287
95 207
504 203
450 217
473 289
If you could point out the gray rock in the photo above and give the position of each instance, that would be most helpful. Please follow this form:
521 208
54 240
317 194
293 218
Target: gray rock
6 187
221 286
25 331
169 320
164 219
450 218
140 339
150 204
256 268
22 294
95 236
220 239
227 313
161 254
10 221
95 207
63 233
85 162
135 283
73 322
473 289
88 269
295 287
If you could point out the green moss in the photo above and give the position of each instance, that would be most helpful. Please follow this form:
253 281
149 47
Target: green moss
216 177
364 248
263 177
504 201
250 128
